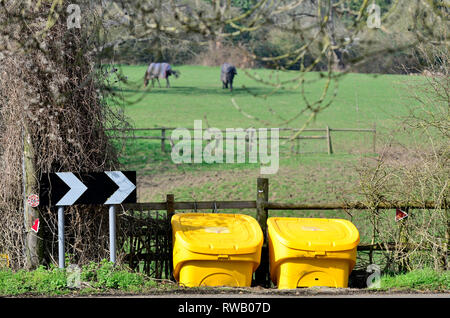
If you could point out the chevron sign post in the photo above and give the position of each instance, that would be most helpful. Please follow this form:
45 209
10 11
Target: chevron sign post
69 188
63 189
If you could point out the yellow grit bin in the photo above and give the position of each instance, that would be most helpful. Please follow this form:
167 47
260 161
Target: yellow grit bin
306 252
215 249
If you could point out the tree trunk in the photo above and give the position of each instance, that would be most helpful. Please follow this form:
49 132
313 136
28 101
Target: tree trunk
337 56
33 243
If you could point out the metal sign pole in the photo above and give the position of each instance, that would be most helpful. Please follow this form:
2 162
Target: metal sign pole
108 188
112 234
61 237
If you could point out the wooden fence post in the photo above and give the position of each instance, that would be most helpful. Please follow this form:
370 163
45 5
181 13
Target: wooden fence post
170 201
262 277
262 196
374 233
163 139
445 262
330 148
404 264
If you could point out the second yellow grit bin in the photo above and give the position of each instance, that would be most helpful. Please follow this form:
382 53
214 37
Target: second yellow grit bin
215 249
306 252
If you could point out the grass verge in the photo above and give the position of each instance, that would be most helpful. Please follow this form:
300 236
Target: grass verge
421 279
105 278
93 278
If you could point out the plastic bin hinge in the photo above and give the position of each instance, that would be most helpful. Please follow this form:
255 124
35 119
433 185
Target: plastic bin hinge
320 253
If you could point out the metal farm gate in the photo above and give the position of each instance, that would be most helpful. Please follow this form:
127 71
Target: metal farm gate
144 242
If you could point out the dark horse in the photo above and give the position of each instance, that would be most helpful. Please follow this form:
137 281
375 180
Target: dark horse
227 74
157 71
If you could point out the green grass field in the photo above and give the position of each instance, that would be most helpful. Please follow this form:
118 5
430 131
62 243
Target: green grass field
362 101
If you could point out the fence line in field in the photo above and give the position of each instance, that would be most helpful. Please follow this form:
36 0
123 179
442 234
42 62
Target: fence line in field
224 205
327 130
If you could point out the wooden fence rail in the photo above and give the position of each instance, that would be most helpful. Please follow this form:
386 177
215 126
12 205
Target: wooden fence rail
262 205
163 137
223 205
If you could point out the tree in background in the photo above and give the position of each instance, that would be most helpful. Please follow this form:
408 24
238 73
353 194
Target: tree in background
334 37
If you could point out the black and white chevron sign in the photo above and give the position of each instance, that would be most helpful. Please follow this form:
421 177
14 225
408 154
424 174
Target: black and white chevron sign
69 188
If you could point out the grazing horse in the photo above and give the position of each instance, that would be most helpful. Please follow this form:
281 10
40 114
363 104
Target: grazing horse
227 74
157 71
